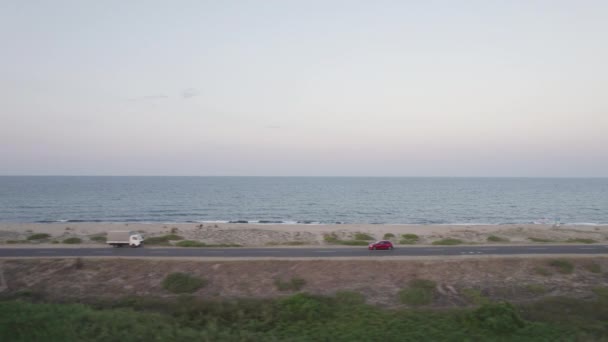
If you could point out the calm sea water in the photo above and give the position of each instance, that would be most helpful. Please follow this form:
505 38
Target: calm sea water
303 199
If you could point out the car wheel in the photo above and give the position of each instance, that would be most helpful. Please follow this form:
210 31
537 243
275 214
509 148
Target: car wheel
374 248
390 248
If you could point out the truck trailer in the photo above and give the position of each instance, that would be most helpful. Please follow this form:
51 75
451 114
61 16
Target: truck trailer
124 238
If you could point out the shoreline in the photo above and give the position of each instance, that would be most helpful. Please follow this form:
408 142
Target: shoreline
266 234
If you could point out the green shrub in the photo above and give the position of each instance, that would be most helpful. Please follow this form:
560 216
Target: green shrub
296 243
593 267
190 243
562 266
494 238
419 292
581 241
352 242
601 291
349 298
99 238
536 289
409 239
474 296
332 238
182 283
363 236
388 236
162 240
539 239
295 284
447 242
542 271
72 240
39 236
499 318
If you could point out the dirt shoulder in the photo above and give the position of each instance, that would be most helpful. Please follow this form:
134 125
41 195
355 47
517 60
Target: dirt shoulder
458 282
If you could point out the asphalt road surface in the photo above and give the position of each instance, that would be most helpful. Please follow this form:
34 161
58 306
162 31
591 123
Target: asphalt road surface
238 252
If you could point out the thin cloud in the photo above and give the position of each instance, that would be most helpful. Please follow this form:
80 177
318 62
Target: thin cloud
190 92
149 97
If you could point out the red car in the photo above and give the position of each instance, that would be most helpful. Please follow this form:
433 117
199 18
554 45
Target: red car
383 244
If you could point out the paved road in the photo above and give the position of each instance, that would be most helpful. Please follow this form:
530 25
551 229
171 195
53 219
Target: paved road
301 252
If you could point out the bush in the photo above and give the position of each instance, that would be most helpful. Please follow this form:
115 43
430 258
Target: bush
332 238
474 296
349 298
539 239
295 284
99 238
409 239
352 242
494 238
447 242
363 236
182 283
593 268
536 289
72 240
499 318
190 243
39 236
12 242
419 292
581 241
388 236
162 240
562 266
542 271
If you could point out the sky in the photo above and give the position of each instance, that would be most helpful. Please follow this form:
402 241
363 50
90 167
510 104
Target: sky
304 88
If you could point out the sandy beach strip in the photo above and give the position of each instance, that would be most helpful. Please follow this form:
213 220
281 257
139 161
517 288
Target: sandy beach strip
264 235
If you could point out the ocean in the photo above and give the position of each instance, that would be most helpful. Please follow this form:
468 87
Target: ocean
309 200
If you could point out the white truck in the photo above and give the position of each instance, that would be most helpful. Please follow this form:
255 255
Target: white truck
124 238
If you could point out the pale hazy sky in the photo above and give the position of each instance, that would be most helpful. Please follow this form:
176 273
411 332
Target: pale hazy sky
310 88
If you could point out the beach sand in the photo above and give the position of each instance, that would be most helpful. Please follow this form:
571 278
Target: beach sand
264 235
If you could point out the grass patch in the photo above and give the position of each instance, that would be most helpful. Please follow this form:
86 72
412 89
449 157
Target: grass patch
39 236
296 243
349 298
300 317
162 240
182 283
352 242
419 292
363 236
295 284
542 271
14 242
562 266
533 239
333 239
409 239
474 296
601 291
388 236
536 289
99 238
581 241
192 243
494 238
593 267
448 242
72 240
